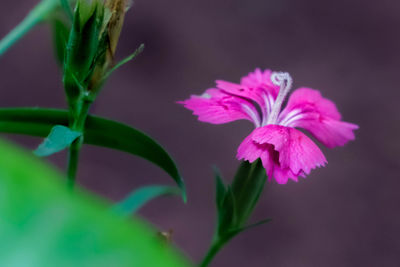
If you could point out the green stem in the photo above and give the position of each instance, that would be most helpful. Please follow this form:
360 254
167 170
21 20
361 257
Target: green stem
37 14
73 157
73 160
216 246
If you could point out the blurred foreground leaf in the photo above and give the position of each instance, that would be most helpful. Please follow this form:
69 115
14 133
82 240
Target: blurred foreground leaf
138 198
98 131
43 225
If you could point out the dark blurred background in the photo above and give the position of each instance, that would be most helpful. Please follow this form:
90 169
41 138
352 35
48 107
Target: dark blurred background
346 214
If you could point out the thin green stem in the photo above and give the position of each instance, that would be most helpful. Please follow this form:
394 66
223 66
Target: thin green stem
73 160
215 247
73 157
37 14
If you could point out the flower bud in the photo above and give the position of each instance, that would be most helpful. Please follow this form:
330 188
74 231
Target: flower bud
82 49
91 46
114 15
118 9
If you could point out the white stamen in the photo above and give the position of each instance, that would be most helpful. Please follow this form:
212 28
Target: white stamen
284 80
253 115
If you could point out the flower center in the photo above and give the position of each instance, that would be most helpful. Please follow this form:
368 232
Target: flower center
284 80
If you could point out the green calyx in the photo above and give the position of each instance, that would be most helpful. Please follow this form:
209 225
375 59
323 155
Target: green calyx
82 48
235 204
86 8
89 56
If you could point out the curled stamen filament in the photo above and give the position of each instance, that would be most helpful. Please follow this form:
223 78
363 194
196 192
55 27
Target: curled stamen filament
284 80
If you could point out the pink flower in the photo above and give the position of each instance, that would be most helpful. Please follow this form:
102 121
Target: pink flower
285 152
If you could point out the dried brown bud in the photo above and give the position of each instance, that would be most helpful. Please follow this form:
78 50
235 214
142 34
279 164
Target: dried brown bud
118 9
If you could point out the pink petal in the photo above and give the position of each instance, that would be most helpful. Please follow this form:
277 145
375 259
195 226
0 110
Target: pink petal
251 151
310 100
257 86
217 107
283 175
261 79
319 116
297 152
286 153
331 133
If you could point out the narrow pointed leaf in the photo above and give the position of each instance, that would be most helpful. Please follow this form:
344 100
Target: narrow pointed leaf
242 229
60 138
220 190
43 225
125 60
98 131
35 16
140 197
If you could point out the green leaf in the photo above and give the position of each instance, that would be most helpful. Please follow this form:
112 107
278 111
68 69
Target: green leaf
125 60
98 131
60 39
242 229
43 225
247 186
220 190
138 198
60 138
35 16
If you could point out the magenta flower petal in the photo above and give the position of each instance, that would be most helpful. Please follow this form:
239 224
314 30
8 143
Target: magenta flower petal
283 175
331 133
310 100
253 86
296 151
257 87
251 151
285 152
307 109
217 107
261 79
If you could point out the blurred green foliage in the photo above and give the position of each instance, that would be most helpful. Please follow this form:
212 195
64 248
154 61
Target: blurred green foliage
43 224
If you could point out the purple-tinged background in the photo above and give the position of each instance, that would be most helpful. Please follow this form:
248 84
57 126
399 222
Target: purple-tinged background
346 214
